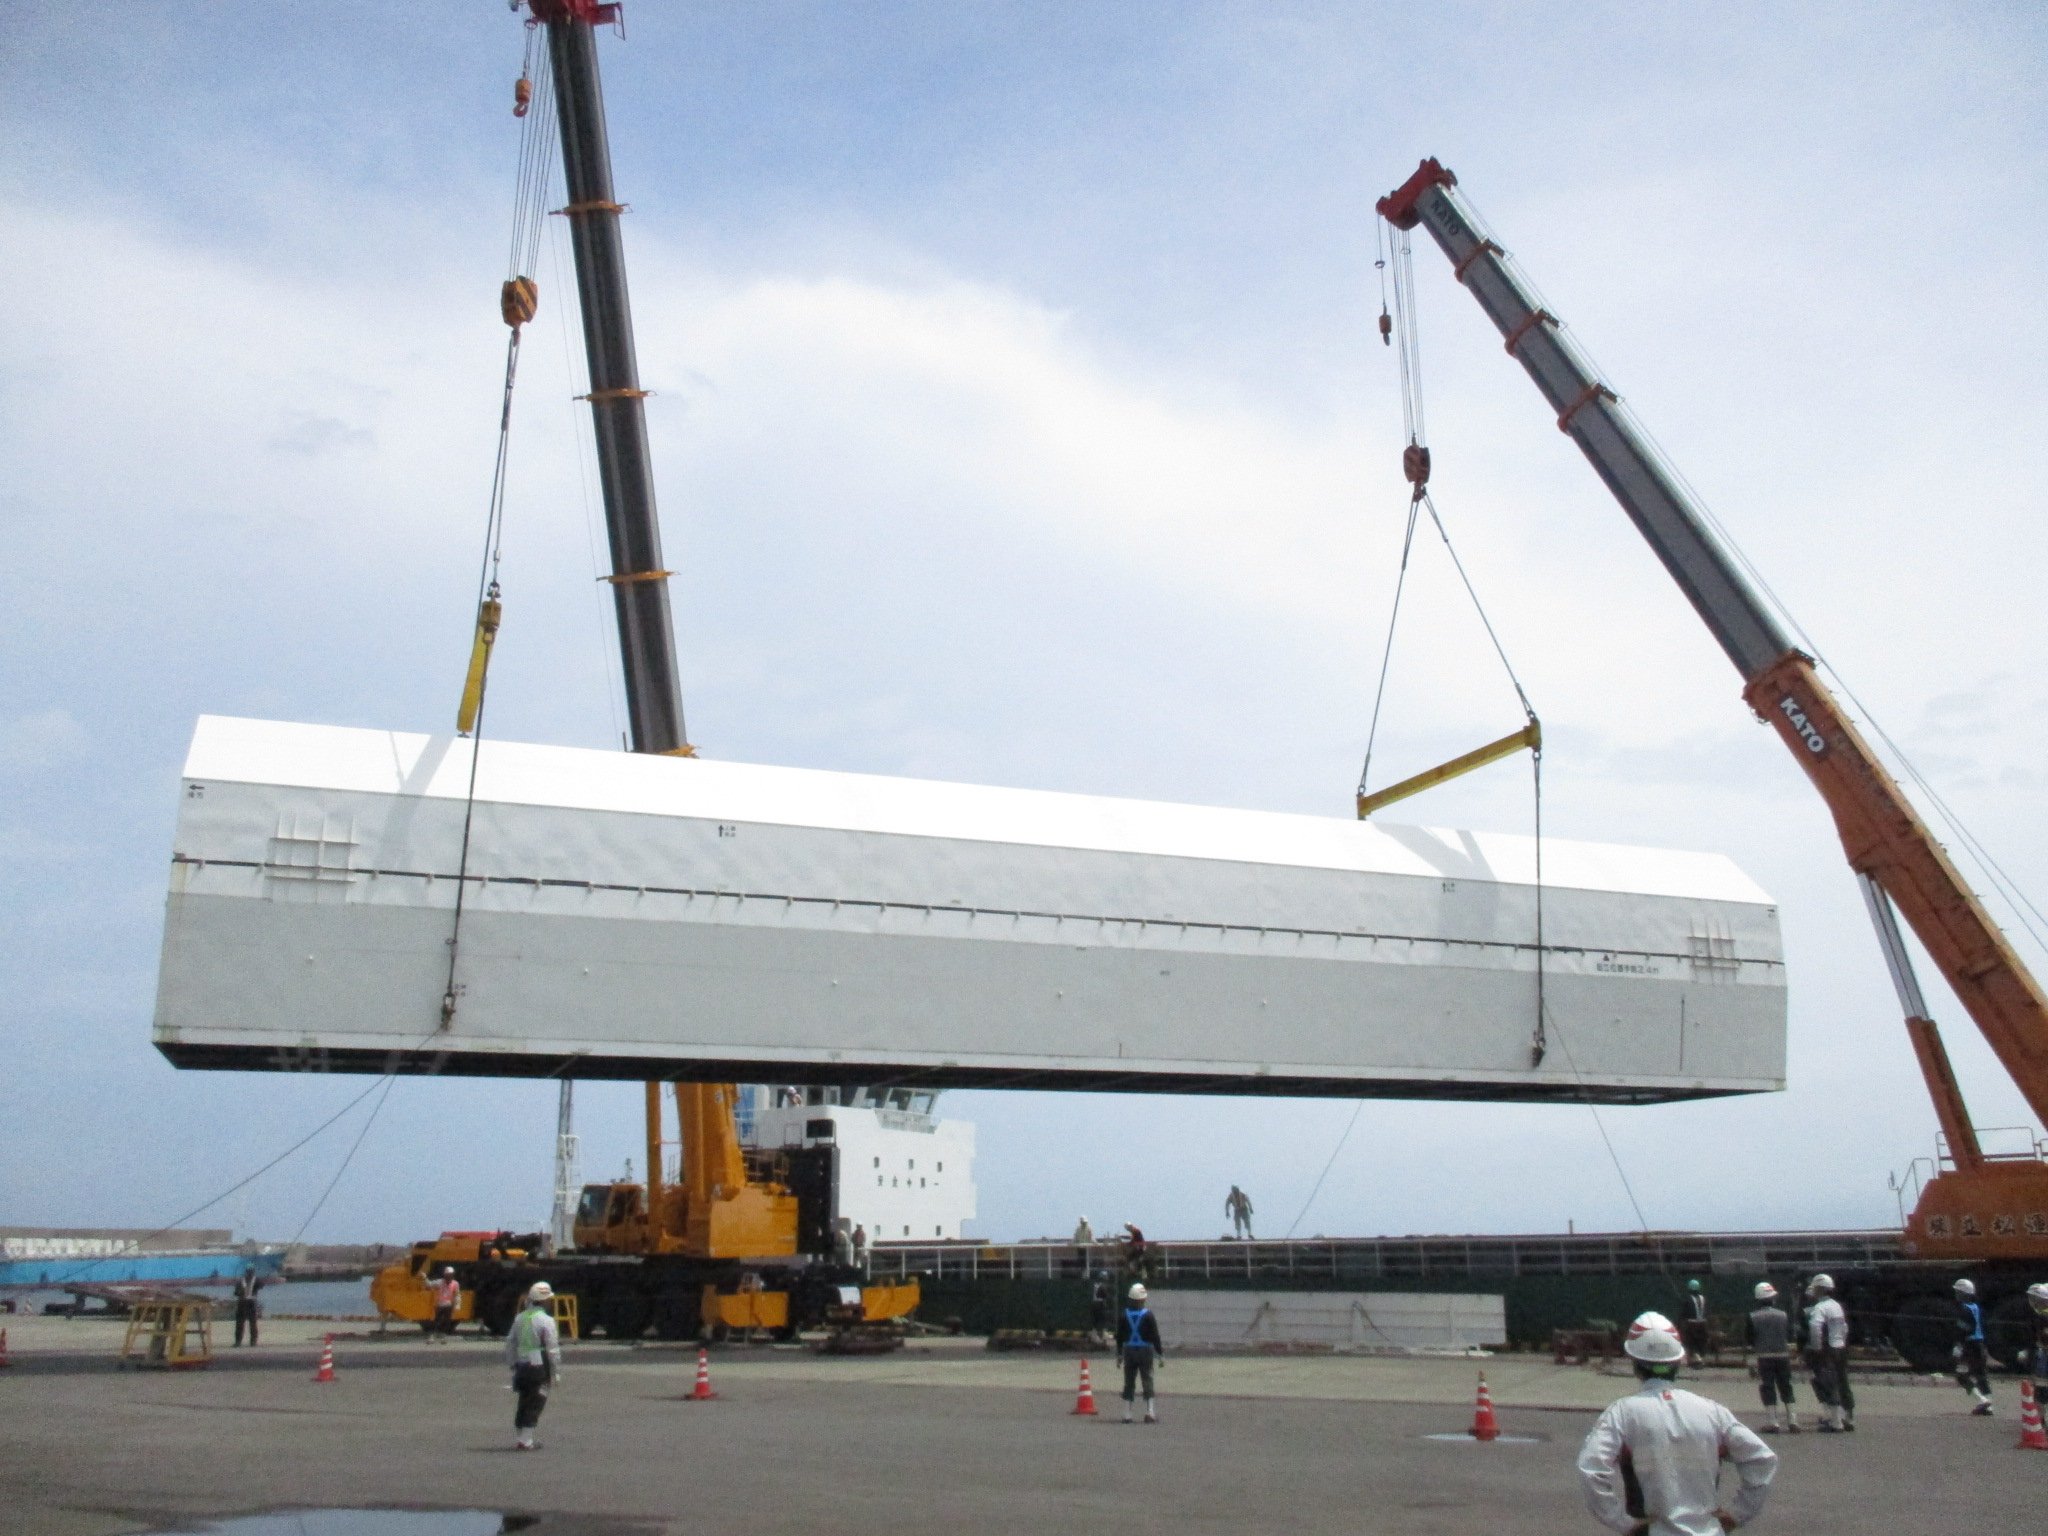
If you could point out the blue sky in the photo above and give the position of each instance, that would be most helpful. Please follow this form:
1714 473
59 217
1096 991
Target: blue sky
1019 419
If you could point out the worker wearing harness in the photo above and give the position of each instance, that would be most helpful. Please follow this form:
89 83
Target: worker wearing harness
1652 1464
1139 1349
1972 1369
533 1349
247 1308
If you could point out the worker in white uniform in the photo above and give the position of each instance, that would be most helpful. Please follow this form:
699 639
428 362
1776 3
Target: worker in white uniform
1827 1350
1652 1464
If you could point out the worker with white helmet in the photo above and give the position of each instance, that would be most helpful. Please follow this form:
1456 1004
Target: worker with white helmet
1972 1368
1770 1344
1138 1350
1827 1351
447 1291
1652 1464
533 1348
2037 1300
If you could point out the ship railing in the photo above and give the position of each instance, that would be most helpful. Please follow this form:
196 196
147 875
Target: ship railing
1393 1262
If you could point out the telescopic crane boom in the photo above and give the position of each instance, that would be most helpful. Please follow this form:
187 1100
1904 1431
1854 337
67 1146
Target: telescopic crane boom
722 1214
1986 1208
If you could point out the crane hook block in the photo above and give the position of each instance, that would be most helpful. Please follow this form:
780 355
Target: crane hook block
519 301
522 96
1386 329
1415 465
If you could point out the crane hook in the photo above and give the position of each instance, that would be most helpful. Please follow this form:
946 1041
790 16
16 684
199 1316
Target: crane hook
522 96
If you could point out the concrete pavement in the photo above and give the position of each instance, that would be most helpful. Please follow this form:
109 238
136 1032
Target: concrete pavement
942 1437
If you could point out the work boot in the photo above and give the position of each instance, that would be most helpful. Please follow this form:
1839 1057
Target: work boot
1127 1410
1791 1423
1151 1411
1983 1408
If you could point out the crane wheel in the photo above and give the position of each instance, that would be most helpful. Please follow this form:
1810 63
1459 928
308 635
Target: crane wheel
1924 1331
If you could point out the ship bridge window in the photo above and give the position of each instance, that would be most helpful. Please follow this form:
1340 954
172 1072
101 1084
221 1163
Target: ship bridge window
818 1130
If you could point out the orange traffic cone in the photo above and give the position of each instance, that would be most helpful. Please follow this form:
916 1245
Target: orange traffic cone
326 1371
702 1393
1085 1403
1484 1425
2032 1436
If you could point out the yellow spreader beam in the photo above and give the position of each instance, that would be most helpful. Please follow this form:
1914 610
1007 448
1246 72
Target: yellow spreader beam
1530 736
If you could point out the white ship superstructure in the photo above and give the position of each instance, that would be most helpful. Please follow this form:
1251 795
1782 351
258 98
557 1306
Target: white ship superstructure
904 1174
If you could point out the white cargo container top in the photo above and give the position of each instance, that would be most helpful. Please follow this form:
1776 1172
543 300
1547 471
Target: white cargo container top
226 749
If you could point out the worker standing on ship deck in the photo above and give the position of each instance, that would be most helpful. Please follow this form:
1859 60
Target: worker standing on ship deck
1140 1351
246 1310
533 1348
1237 1205
1770 1342
1652 1464
447 1297
1827 1351
1972 1369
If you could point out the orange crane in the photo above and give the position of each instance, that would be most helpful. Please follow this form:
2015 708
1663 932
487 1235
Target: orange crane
1982 1213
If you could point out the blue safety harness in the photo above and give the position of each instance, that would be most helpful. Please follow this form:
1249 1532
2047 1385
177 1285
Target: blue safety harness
1135 1320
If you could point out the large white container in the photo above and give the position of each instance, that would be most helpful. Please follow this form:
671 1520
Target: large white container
633 916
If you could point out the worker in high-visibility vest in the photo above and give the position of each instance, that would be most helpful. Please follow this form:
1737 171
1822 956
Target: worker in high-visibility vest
1139 1350
533 1348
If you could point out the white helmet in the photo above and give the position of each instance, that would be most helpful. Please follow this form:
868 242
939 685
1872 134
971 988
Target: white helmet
1139 1293
540 1292
1820 1283
1965 1287
2037 1296
1653 1339
1765 1291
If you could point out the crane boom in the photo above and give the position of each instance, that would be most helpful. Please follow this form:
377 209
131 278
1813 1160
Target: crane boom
647 644
1886 841
724 1213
